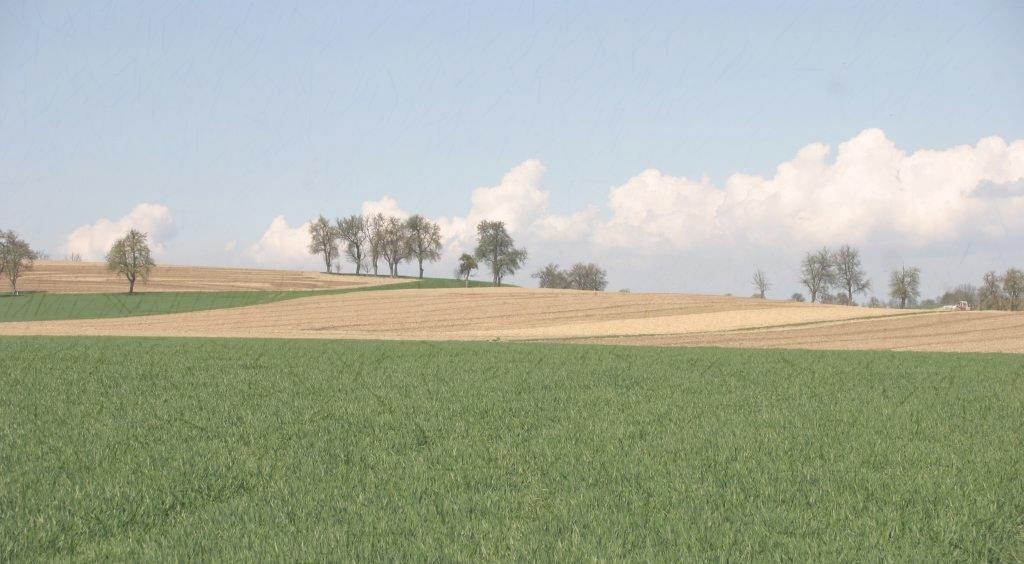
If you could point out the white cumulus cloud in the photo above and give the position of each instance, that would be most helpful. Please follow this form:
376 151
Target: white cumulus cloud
94 240
282 245
519 201
870 191
386 205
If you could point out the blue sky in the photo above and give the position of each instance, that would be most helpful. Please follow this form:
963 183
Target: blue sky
232 114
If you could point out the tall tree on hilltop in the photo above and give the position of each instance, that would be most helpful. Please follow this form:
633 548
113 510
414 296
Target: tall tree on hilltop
424 240
354 233
761 282
323 241
496 248
16 257
905 285
817 273
130 257
849 274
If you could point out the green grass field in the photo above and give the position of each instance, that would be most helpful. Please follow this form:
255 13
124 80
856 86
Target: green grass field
42 307
178 449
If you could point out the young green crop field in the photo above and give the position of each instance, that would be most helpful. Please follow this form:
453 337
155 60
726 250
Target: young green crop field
45 307
179 449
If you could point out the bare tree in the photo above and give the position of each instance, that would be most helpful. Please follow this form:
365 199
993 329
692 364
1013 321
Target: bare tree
905 285
552 277
323 241
424 240
376 230
16 257
990 295
587 276
130 257
496 248
849 274
354 233
761 283
817 273
394 243
1013 287
467 265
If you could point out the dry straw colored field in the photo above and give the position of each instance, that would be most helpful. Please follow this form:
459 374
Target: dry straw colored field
533 314
61 277
514 314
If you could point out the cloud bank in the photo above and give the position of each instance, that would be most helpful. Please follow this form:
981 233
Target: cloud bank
93 241
871 191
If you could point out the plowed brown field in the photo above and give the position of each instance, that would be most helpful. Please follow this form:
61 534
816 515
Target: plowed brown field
977 331
62 277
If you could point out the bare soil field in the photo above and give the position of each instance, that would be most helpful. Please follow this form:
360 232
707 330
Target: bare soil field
63 277
975 331
589 317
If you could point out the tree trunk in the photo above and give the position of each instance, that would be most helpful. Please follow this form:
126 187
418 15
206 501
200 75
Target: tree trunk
131 284
495 268
421 267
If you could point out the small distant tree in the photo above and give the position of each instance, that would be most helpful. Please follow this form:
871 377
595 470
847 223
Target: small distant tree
1013 288
354 233
467 265
552 277
323 241
905 285
587 276
797 297
876 303
74 257
16 257
817 273
496 248
130 257
761 283
990 295
424 240
848 273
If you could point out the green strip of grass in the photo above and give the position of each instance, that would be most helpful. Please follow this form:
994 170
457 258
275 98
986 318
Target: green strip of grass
178 449
45 307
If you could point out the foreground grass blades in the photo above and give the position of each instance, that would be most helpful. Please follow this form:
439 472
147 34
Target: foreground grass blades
231 449
45 307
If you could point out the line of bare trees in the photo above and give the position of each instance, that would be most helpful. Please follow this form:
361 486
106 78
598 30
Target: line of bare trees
581 276
367 240
997 291
837 277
